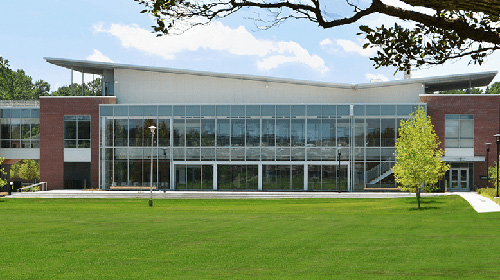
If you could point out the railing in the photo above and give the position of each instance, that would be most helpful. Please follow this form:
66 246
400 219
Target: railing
380 169
19 103
42 186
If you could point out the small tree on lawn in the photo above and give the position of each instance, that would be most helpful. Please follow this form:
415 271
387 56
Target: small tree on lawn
419 164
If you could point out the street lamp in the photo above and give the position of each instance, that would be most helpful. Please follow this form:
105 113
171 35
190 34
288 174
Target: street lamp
338 167
152 128
497 136
487 162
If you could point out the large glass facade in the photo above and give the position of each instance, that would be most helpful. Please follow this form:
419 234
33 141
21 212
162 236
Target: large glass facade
331 147
19 128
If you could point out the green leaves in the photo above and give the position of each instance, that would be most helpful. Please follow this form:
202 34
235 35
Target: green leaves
418 156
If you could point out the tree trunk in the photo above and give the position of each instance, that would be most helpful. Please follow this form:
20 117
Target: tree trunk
418 196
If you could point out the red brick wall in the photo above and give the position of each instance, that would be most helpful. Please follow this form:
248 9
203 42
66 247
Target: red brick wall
485 109
52 112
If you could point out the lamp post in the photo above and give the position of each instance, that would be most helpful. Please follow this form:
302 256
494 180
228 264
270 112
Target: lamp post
497 136
487 162
338 167
152 128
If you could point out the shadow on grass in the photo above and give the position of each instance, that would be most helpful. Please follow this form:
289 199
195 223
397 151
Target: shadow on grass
425 208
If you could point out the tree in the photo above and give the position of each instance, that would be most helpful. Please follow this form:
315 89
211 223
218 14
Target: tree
92 88
16 85
28 169
450 29
419 161
3 182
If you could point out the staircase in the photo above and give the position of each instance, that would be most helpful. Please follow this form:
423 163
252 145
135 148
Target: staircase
379 172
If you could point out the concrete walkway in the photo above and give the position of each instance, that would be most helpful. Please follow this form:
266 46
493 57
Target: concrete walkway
480 203
209 194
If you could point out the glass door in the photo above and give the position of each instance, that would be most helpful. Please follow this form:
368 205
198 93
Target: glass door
459 179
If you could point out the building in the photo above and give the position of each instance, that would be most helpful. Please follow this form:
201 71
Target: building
238 132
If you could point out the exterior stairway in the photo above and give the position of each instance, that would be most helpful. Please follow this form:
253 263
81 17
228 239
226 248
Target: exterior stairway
379 172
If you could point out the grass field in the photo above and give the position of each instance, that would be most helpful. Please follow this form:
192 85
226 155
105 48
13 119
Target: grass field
247 239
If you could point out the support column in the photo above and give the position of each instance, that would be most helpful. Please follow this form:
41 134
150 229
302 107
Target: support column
259 172
306 177
215 177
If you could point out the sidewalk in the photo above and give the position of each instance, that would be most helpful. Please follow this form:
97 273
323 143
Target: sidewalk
480 203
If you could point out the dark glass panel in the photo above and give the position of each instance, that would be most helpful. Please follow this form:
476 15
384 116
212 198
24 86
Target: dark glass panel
283 133
388 110
121 132
237 132
314 178
208 110
208 132
253 110
179 133
121 111
283 111
253 132
373 132
268 110
223 133
373 110
298 132
314 110
268 132
179 111
237 110
329 111
328 130
193 133
313 132
164 132
343 132
193 111
164 110
388 132
223 110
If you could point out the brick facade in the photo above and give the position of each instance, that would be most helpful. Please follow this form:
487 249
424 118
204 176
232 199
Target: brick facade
485 109
52 112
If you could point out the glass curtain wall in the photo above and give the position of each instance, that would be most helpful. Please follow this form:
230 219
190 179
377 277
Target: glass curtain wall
192 140
19 128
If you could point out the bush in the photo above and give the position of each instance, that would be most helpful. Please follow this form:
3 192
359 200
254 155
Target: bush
487 192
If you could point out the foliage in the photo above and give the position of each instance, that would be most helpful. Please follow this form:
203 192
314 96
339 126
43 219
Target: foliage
492 174
246 239
447 30
418 156
27 169
3 182
16 85
490 193
92 88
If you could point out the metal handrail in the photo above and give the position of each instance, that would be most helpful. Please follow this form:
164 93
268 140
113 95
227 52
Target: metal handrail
42 188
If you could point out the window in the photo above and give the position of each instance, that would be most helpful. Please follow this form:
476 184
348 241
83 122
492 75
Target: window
459 131
77 131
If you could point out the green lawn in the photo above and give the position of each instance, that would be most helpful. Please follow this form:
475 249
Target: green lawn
247 239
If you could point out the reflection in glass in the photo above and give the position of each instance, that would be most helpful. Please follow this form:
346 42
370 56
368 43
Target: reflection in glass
208 132
179 133
223 133
268 133
283 133
253 132
237 132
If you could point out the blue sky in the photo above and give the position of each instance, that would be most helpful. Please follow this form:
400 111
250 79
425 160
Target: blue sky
115 31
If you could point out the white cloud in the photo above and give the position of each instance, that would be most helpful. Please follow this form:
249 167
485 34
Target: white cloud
98 56
376 77
346 46
215 36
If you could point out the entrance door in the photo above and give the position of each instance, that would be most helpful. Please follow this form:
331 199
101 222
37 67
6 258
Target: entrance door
459 178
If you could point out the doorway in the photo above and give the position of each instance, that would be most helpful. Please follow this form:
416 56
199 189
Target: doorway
459 179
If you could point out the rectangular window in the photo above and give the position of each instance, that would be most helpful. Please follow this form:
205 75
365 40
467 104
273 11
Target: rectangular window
77 131
459 131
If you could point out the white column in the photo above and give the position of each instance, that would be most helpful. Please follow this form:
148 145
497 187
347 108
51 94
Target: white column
306 177
259 172
215 176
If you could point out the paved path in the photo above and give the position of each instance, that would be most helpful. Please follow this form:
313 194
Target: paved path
480 203
208 194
